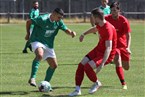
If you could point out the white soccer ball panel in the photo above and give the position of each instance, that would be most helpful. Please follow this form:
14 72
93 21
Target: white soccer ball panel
44 86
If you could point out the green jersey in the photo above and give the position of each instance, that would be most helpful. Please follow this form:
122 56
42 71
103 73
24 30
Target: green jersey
34 13
106 10
45 30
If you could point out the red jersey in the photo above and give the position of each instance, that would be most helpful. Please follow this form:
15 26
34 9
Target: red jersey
106 32
122 27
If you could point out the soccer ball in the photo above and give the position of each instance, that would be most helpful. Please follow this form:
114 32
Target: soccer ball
44 86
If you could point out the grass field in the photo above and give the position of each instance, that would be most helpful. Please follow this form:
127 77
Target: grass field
15 66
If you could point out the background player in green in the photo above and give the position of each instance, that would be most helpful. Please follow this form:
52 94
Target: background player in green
42 38
104 7
34 13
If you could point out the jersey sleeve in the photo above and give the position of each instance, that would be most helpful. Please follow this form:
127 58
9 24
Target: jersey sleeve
62 26
126 26
31 14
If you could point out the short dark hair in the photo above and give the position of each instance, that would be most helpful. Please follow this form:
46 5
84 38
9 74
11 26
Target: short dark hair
97 12
34 2
115 4
59 11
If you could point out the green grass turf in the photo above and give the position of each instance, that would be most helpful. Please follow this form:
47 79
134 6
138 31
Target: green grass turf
15 66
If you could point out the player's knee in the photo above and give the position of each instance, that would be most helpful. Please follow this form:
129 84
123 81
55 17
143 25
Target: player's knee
117 61
85 60
39 56
54 66
126 67
116 58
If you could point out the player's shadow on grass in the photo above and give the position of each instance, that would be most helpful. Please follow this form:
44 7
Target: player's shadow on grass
13 93
66 95
82 87
48 95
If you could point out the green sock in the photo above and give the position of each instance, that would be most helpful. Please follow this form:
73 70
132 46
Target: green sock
49 74
27 45
34 70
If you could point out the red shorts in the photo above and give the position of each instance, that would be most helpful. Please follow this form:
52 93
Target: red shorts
125 56
97 56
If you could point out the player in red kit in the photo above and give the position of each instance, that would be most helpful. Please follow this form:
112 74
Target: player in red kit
100 56
123 30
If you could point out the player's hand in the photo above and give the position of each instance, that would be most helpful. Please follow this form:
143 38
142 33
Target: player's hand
128 50
99 68
81 38
73 34
27 37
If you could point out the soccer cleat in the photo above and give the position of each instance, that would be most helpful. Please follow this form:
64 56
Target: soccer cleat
25 51
75 93
32 82
95 87
124 87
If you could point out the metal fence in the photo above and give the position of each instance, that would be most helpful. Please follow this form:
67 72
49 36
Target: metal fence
19 9
84 15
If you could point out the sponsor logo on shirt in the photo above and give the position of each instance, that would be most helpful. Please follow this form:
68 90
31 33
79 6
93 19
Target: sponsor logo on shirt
48 33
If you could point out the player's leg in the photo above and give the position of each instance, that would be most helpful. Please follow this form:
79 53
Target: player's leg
125 57
94 62
50 57
80 72
26 46
92 75
79 76
126 65
35 65
119 69
37 47
92 21
51 69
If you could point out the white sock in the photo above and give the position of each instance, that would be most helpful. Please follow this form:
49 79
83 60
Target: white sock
78 88
97 81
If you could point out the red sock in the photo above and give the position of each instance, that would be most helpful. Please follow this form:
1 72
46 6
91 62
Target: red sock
90 73
120 73
79 74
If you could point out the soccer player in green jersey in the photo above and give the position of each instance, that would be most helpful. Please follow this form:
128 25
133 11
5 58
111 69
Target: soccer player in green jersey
34 13
104 7
42 38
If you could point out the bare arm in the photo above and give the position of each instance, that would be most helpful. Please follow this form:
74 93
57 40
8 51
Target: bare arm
91 30
128 37
28 24
108 45
92 21
69 32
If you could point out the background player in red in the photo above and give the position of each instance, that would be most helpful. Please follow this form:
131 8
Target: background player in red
101 55
122 27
